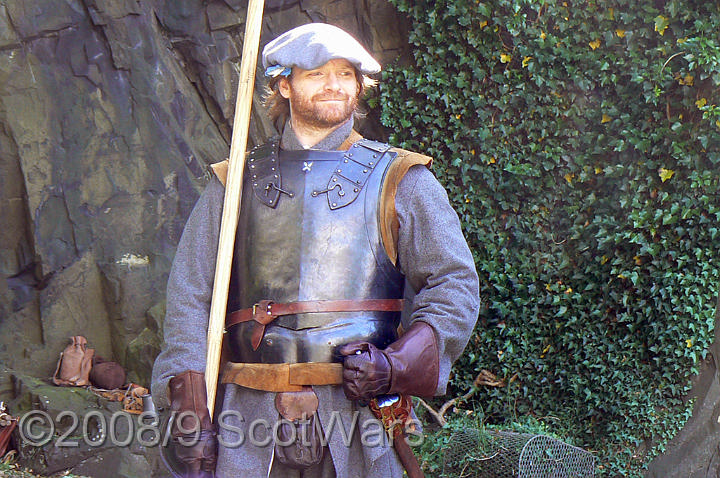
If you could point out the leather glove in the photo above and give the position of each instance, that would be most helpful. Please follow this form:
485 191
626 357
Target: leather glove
194 440
409 366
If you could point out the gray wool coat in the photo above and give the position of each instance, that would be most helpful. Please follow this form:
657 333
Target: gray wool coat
441 290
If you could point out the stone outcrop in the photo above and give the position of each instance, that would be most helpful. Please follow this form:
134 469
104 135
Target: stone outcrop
71 428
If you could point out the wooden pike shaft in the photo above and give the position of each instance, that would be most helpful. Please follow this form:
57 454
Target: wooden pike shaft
233 193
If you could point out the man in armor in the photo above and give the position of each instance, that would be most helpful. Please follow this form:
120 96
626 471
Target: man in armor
351 280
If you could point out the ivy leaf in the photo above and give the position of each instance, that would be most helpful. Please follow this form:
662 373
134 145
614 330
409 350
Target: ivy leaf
661 24
665 174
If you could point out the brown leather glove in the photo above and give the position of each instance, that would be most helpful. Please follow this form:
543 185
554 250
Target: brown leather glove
194 440
410 366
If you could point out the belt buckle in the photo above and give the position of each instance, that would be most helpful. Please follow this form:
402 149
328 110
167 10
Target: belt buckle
264 306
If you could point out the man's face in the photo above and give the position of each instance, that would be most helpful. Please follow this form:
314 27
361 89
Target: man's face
324 97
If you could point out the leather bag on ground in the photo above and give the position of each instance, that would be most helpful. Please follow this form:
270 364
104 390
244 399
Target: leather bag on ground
73 368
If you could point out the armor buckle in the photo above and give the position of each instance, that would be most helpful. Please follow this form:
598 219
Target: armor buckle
262 311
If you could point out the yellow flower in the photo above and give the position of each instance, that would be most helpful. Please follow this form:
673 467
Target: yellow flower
543 35
594 44
701 102
505 58
569 177
688 343
605 119
483 24
526 60
620 32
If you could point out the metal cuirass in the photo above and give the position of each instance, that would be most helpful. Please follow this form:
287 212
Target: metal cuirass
309 230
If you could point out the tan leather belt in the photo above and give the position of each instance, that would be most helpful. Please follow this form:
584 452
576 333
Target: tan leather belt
266 311
282 377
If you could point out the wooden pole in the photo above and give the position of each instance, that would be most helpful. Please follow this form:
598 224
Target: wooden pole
233 193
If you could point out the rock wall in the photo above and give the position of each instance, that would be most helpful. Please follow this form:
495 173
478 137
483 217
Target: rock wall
110 113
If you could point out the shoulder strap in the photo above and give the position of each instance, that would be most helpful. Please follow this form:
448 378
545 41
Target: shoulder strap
221 170
389 224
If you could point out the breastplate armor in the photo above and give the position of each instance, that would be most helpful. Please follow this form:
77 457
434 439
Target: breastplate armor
309 230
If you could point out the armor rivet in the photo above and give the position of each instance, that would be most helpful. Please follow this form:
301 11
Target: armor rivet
338 170
268 342
275 176
334 204
365 170
345 161
371 163
374 156
254 184
350 154
356 190
334 179
252 166
272 169
341 193
254 176
252 159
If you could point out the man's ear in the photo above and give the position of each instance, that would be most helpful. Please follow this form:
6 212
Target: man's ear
284 87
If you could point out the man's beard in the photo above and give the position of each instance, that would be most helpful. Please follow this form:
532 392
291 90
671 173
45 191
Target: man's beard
316 113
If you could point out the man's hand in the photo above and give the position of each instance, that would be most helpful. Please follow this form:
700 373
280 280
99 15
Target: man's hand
366 371
194 440
410 365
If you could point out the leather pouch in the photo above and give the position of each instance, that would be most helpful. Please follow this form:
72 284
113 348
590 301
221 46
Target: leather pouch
299 442
73 367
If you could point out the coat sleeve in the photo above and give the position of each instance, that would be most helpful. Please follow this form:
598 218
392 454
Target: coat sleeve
438 266
189 292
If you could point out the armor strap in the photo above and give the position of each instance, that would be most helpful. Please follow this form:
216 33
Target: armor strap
282 377
266 311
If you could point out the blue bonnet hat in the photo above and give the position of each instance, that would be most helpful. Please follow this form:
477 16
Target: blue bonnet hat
312 45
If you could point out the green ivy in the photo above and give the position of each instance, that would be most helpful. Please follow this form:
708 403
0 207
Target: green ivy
580 146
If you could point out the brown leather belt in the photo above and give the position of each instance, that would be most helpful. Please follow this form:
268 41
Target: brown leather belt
266 311
282 377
